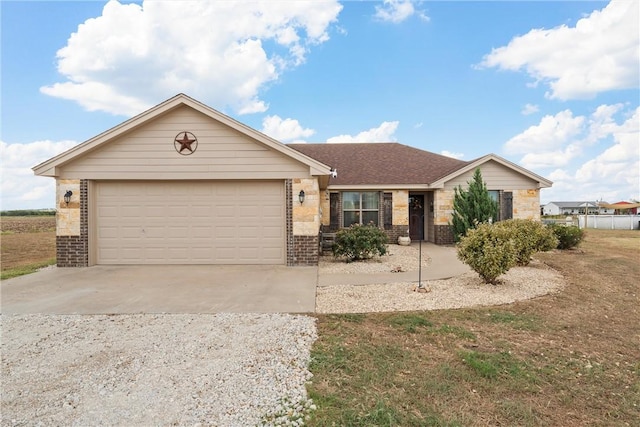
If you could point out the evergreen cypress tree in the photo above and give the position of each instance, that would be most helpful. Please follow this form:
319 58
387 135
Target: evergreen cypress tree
471 207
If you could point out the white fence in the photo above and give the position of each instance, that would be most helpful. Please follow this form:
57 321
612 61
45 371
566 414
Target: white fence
611 222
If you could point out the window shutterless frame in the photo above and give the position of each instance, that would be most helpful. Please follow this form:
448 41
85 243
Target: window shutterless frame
360 207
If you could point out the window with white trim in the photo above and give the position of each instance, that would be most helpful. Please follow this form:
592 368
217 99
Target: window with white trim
360 207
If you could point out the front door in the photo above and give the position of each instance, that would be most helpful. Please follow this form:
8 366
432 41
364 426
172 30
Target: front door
416 217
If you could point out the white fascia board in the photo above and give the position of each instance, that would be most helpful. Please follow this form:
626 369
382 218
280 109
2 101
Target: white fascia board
542 182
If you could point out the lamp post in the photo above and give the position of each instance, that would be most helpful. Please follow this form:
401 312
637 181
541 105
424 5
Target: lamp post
420 255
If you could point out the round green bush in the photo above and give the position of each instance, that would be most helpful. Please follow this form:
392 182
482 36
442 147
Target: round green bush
528 237
360 242
488 250
569 236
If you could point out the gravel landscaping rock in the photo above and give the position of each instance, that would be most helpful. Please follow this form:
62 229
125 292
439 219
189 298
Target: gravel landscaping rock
466 290
142 370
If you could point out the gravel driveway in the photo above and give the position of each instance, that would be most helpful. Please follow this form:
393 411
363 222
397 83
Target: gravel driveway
141 370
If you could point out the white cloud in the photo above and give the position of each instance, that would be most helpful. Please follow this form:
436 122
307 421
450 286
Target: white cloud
619 164
550 133
451 154
601 53
529 109
613 173
21 189
133 56
396 11
102 97
285 130
382 133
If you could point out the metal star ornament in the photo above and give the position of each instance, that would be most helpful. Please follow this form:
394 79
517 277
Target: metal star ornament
185 143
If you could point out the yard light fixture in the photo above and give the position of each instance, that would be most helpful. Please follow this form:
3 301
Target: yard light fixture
67 197
301 196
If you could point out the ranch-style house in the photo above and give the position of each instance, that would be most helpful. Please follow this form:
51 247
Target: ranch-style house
182 183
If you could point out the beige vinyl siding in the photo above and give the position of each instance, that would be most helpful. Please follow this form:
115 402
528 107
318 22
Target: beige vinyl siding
148 153
497 177
189 222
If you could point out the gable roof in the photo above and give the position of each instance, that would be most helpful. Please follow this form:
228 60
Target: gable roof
392 164
381 164
470 166
48 167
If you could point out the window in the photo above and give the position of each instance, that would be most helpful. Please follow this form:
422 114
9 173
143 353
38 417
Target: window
360 207
505 203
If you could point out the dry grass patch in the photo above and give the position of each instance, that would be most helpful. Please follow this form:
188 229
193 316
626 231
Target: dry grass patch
26 244
571 358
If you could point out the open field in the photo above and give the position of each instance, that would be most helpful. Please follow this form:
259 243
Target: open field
569 359
26 243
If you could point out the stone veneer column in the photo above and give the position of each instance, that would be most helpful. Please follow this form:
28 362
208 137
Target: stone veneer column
72 225
526 204
443 209
399 215
305 222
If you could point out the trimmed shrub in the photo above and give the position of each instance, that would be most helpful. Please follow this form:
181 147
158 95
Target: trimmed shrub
569 236
528 237
360 242
488 250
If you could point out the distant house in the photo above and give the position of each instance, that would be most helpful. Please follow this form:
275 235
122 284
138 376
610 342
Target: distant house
623 208
183 183
576 208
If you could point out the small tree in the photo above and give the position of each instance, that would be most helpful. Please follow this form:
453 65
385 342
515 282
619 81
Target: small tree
472 207
360 242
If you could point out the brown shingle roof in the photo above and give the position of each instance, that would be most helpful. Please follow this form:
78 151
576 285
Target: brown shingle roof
380 163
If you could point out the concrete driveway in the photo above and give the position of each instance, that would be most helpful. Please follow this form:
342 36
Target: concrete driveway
162 289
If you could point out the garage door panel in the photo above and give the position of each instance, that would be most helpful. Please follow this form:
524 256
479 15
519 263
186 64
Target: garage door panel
190 223
271 232
226 232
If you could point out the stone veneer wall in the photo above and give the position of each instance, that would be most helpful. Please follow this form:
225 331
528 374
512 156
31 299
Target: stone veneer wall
305 222
73 250
526 204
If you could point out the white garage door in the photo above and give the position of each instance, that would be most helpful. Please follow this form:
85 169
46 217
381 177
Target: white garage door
190 222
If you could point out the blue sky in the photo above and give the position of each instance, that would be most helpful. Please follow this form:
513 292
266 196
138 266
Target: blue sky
551 86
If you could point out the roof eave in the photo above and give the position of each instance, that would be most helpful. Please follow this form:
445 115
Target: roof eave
417 187
542 182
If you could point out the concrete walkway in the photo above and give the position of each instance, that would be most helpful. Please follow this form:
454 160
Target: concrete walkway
444 264
196 288
162 289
